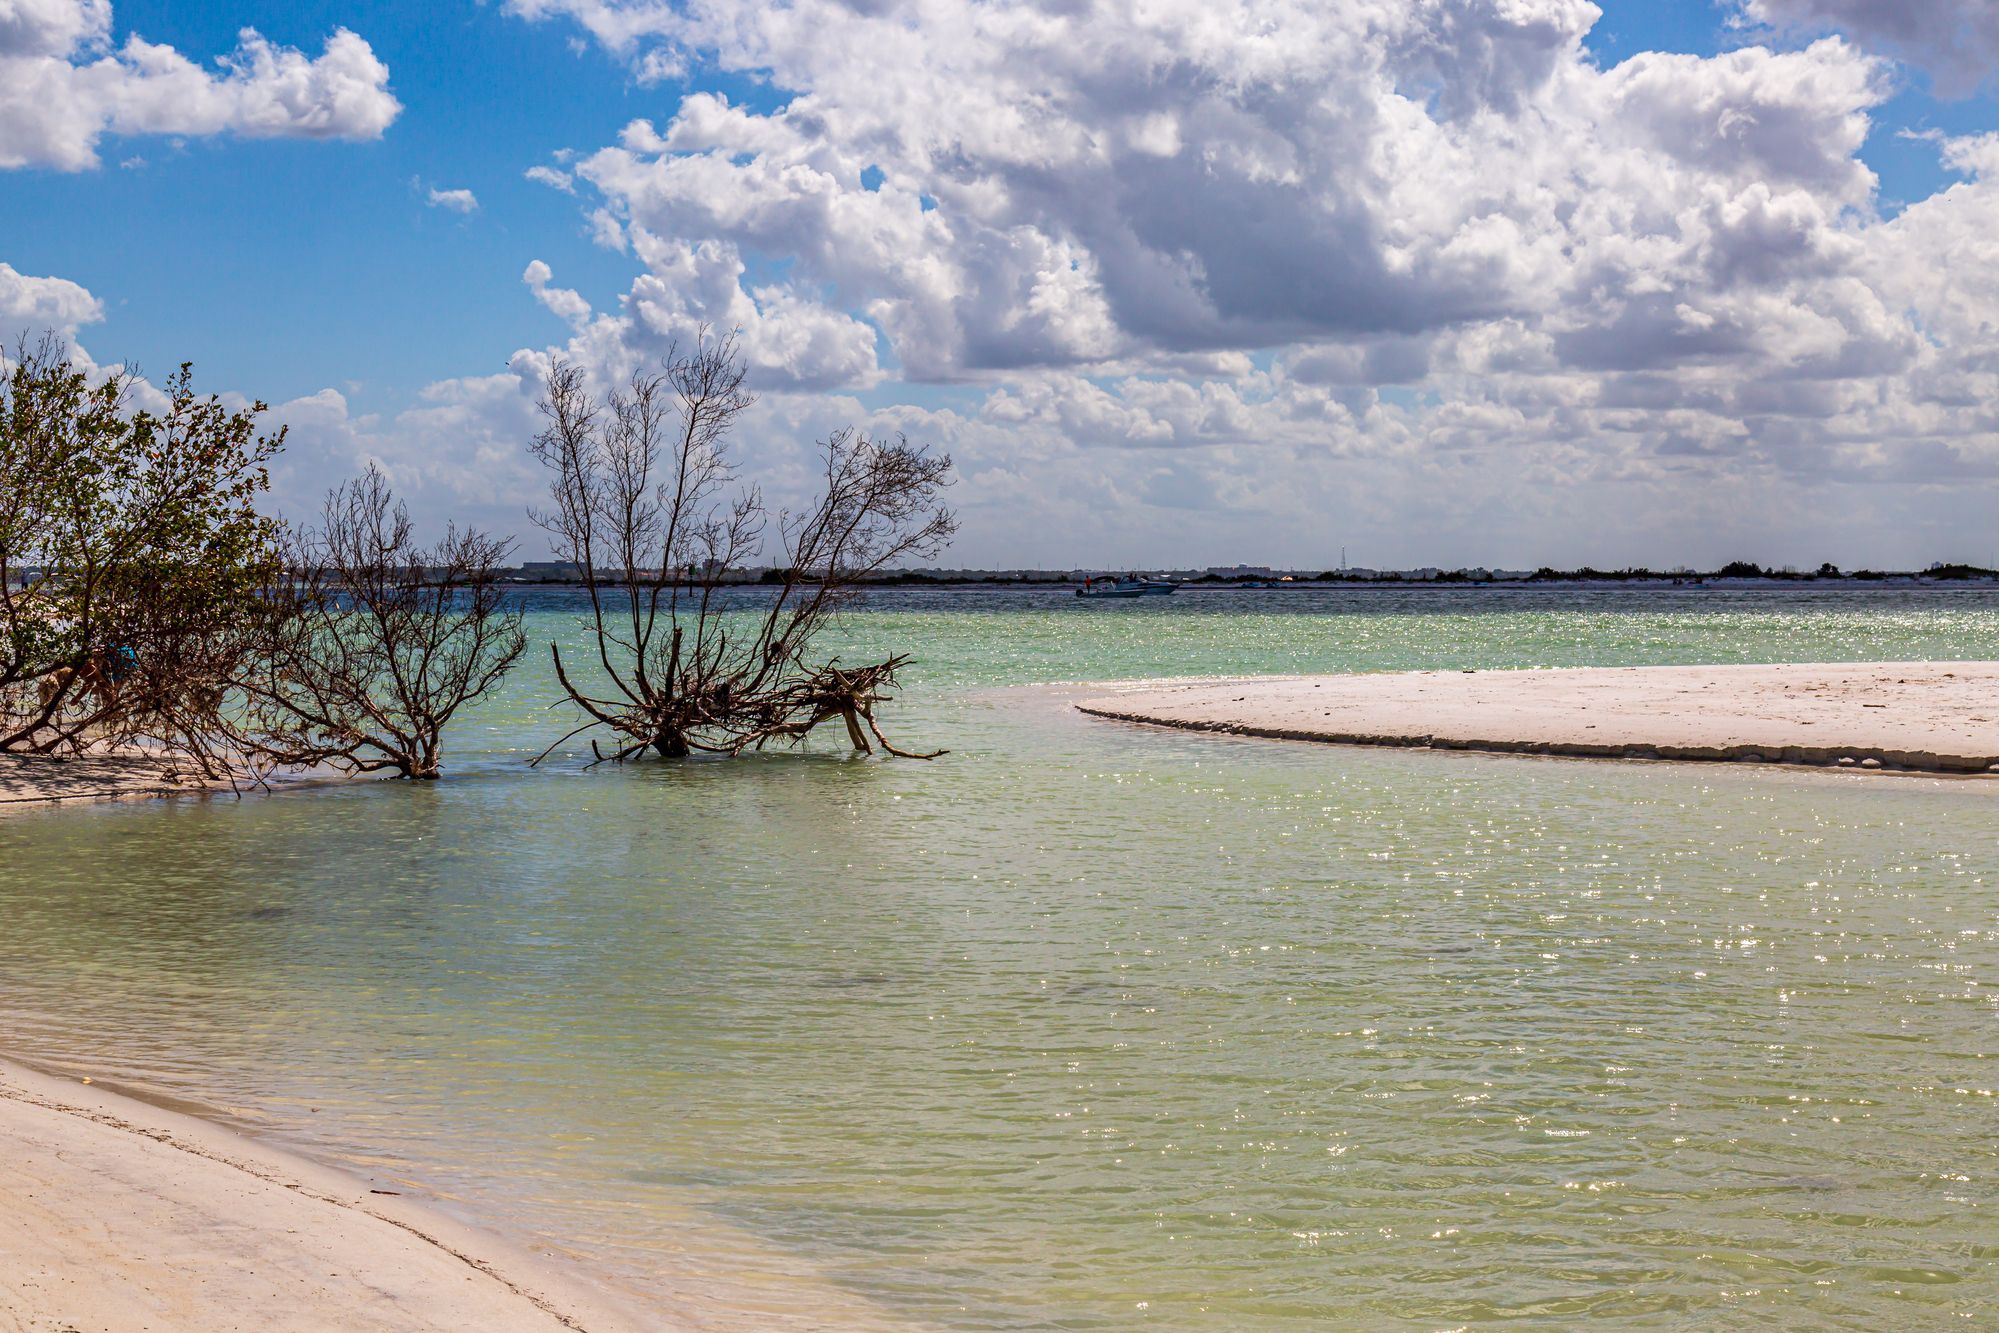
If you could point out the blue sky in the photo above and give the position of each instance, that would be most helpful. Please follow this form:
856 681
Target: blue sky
288 265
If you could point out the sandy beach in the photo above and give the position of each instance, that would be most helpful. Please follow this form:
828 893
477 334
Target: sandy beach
1934 717
116 1215
28 780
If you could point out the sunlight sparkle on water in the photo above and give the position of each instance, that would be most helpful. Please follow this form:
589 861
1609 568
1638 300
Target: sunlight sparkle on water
1096 1025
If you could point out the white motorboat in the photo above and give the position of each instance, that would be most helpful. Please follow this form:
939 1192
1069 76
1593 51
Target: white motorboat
1125 585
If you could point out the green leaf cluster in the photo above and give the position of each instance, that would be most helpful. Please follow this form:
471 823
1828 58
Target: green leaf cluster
125 526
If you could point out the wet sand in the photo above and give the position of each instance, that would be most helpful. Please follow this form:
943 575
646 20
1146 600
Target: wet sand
1932 717
29 780
117 1214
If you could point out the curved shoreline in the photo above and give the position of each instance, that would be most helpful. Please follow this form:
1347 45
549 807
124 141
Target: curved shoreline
1926 717
118 1213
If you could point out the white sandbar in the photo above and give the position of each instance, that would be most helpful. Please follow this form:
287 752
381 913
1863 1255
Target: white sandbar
1925 716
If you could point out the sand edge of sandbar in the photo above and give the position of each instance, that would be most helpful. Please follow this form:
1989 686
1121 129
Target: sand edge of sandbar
1924 717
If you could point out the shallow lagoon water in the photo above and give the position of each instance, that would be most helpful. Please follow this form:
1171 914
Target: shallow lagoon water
1095 1026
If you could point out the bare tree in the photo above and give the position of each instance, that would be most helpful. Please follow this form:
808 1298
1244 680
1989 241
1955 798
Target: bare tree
645 505
372 643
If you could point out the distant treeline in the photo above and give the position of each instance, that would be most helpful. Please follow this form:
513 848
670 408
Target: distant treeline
1735 569
1743 569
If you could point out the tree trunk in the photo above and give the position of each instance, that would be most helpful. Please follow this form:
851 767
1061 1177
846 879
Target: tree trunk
854 732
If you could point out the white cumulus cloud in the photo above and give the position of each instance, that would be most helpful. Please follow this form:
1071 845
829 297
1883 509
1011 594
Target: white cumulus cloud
64 85
559 300
1336 229
551 177
996 188
29 304
1224 279
457 201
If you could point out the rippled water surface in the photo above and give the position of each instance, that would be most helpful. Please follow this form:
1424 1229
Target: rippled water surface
1095 1026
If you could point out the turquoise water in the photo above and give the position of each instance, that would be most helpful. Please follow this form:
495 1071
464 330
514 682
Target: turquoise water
1102 1027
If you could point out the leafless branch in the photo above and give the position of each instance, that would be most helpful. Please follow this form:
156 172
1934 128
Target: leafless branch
373 644
644 502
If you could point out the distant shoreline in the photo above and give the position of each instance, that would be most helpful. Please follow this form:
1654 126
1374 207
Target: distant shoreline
1734 573
1447 583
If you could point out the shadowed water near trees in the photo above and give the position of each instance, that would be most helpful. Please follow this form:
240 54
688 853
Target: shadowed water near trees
646 503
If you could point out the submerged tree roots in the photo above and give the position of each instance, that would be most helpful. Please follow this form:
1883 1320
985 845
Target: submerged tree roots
644 505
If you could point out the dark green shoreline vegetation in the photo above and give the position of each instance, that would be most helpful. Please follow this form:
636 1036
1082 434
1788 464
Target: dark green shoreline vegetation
148 557
150 609
147 606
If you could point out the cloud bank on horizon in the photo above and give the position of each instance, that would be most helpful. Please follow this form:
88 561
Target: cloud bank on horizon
1225 278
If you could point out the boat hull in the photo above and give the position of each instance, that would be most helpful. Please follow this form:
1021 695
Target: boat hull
1124 588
